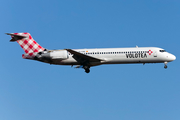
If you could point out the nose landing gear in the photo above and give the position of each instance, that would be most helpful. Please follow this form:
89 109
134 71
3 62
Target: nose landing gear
165 65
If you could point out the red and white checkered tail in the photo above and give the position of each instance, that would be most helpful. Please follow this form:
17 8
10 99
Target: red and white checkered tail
28 44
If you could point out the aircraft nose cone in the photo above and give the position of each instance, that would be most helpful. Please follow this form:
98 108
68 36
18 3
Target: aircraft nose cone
172 57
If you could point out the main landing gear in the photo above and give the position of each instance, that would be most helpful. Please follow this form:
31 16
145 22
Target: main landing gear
87 69
165 65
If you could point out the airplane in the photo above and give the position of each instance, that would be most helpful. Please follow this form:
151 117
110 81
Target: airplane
86 58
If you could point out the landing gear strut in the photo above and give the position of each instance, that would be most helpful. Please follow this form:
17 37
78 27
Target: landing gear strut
165 65
86 68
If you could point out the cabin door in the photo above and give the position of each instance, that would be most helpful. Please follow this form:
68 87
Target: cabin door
155 54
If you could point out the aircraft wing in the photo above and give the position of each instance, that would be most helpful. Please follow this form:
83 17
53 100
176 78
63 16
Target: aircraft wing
82 58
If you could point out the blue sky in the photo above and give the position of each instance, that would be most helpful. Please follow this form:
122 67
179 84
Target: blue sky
31 90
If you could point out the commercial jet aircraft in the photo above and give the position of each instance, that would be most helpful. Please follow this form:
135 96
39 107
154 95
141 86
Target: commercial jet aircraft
86 58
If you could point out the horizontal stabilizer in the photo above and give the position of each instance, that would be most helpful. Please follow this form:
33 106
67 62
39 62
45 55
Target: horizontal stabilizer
16 37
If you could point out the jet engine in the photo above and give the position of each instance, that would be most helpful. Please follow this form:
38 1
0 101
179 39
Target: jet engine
59 54
49 55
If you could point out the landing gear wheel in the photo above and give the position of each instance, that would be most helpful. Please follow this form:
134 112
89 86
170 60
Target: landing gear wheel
165 65
87 70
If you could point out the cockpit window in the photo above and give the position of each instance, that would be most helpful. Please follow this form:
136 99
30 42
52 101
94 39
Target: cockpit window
162 50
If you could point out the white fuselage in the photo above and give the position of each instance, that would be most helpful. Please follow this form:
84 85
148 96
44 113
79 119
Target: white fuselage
86 58
120 56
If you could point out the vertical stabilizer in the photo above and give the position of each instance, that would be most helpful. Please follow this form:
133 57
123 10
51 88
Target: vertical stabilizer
28 44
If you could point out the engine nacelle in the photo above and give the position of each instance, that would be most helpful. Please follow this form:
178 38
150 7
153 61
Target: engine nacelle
59 54
49 55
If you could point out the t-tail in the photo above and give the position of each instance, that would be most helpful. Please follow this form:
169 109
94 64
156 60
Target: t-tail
28 44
